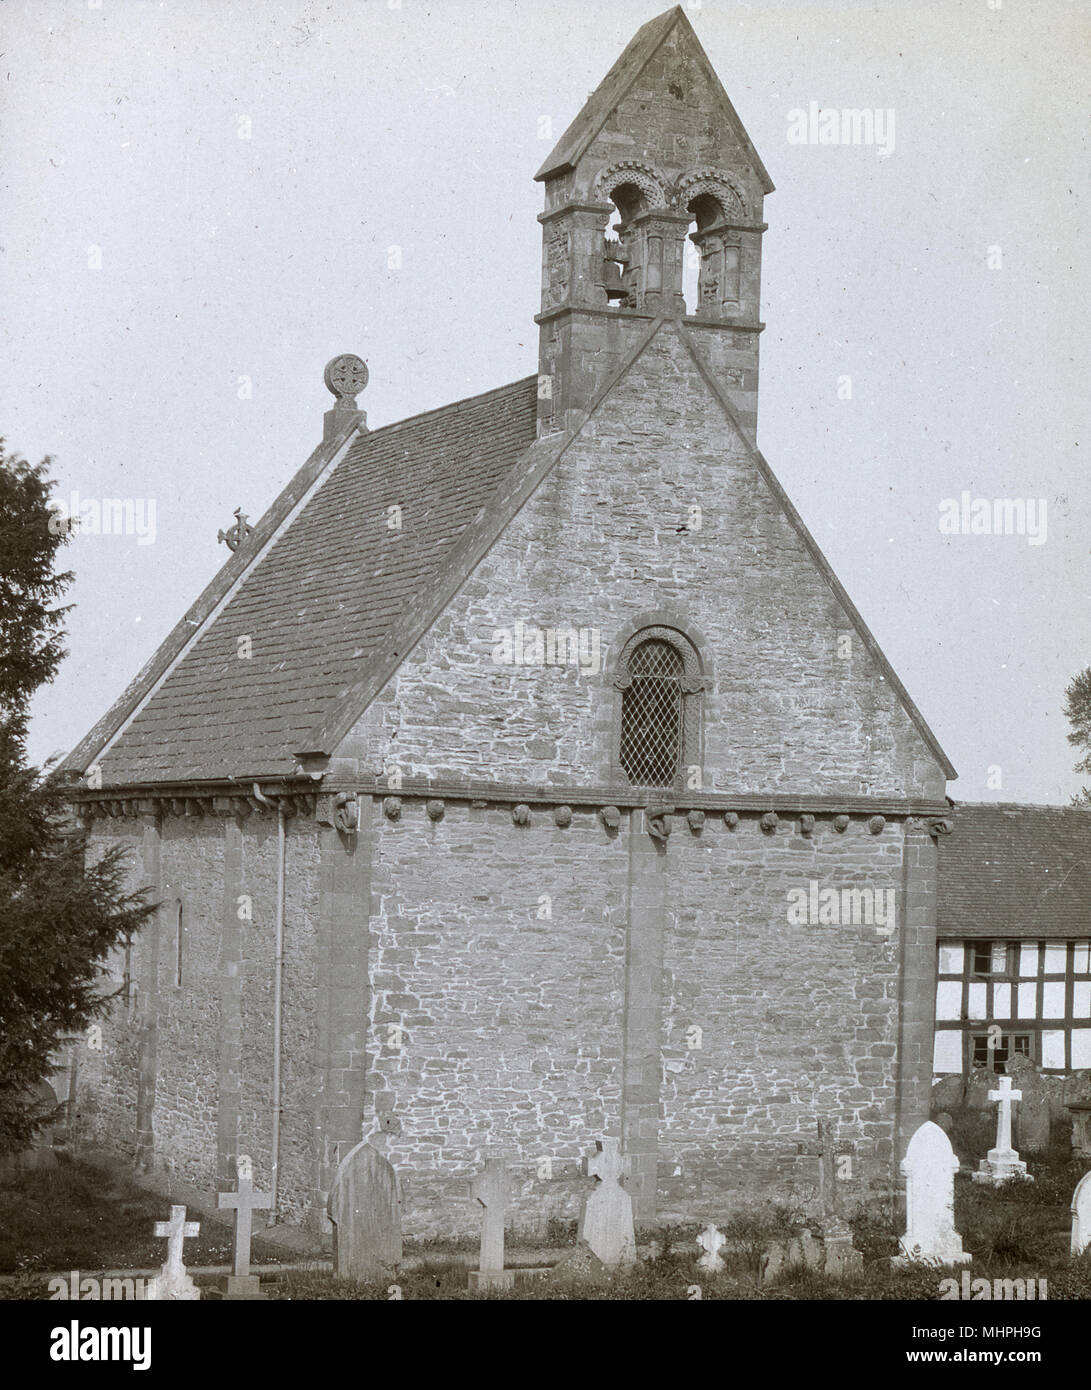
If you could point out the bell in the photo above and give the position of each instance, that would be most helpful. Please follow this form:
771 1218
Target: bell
611 280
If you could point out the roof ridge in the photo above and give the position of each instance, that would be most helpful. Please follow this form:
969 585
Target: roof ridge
323 463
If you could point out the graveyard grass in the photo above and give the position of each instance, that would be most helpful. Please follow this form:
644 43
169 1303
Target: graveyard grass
81 1217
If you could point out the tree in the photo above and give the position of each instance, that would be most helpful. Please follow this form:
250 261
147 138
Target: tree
1078 713
59 916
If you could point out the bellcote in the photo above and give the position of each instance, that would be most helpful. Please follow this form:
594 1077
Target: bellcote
653 207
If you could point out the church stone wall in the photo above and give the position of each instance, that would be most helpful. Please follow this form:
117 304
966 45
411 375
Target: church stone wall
797 1022
213 1033
509 1010
497 966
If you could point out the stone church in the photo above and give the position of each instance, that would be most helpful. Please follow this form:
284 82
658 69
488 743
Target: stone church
526 775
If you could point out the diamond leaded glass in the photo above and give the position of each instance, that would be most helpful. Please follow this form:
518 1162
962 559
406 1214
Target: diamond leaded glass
651 715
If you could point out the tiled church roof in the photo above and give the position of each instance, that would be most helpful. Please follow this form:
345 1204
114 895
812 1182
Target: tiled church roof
320 600
1010 870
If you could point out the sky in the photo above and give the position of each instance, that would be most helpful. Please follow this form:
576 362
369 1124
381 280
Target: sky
203 201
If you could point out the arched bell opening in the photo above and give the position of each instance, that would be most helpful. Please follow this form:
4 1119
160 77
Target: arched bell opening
620 272
713 261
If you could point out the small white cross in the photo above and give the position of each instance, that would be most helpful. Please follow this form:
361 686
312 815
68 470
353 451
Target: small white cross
1005 1095
711 1242
176 1231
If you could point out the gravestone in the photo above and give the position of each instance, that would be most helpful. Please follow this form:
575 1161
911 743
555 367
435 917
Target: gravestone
493 1190
38 1154
1080 1110
241 1284
711 1242
606 1222
929 1167
795 1252
835 1157
365 1208
579 1264
1002 1163
1032 1120
173 1283
1081 1216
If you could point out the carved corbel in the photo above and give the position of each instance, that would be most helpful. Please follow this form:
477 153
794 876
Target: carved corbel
658 814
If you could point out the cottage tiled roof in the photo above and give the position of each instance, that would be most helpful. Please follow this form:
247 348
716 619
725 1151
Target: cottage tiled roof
328 589
1009 870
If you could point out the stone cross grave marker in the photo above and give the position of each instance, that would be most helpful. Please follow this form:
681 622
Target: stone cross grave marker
173 1282
493 1189
1081 1215
365 1208
241 1283
1002 1162
929 1167
606 1222
711 1242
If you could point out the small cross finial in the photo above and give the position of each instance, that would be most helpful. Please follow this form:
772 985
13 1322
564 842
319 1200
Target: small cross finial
345 377
234 536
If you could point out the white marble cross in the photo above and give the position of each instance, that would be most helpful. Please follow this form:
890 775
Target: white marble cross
176 1230
172 1281
493 1190
244 1203
1005 1095
606 1222
711 1242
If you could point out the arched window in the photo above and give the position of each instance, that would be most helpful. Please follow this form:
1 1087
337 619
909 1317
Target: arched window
660 679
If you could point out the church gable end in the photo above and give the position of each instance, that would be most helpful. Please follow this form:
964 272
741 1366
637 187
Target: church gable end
658 506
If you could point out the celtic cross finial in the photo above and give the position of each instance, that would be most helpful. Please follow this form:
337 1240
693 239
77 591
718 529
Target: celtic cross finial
234 536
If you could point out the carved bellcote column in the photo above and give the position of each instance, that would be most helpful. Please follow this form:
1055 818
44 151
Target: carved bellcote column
572 259
718 292
660 236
